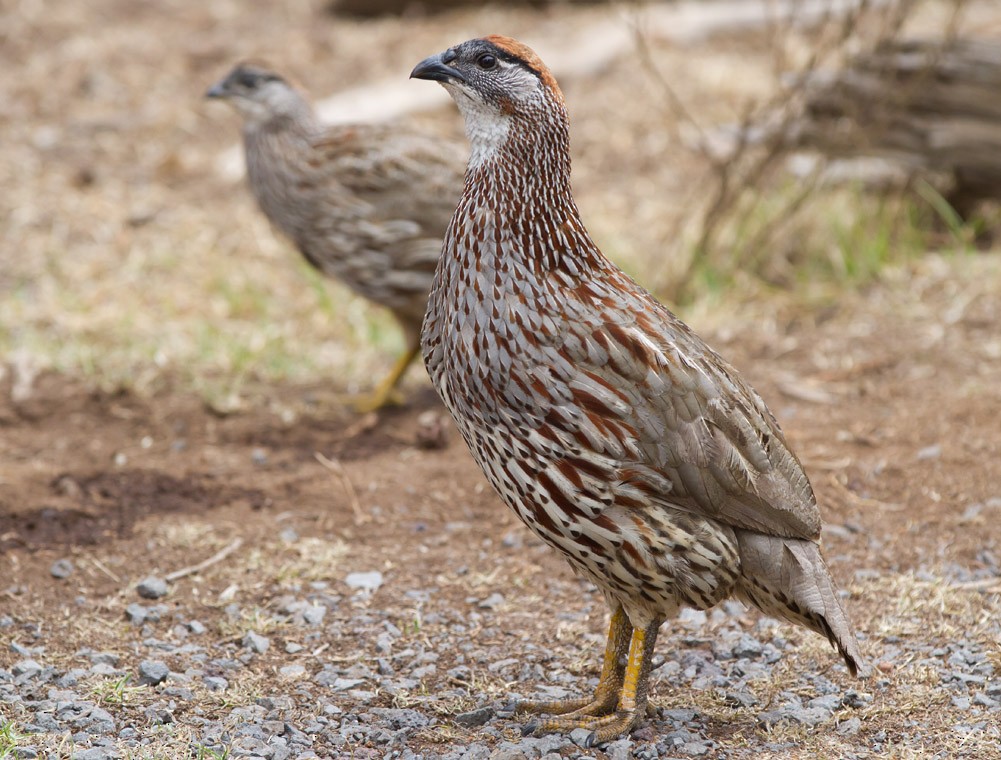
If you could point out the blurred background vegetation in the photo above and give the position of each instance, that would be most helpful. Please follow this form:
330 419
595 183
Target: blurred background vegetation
721 157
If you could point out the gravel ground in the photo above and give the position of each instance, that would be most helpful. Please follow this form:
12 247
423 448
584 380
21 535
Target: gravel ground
114 704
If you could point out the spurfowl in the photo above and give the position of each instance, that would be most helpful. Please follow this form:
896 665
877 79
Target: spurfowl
616 434
365 204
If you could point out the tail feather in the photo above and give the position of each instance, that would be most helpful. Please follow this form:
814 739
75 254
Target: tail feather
787 578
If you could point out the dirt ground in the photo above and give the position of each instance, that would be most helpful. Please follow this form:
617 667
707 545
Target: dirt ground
891 399
891 395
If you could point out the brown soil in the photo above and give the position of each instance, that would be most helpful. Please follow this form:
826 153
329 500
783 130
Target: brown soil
892 400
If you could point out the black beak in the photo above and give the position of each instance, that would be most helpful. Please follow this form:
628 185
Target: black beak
435 68
218 90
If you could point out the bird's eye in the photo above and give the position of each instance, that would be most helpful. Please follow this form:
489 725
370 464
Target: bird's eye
486 61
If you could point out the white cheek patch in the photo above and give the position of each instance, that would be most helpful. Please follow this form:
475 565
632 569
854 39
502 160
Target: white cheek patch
486 127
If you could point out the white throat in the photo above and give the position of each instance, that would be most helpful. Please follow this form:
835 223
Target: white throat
486 129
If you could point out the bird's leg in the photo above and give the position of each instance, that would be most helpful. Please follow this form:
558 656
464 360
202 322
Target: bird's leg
613 671
385 392
632 702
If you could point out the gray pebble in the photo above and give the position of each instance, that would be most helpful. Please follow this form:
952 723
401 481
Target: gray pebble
255 642
849 727
368 582
196 627
215 683
61 568
103 658
153 672
343 684
26 669
808 716
152 588
581 736
621 749
696 748
97 753
293 671
136 613
983 700
493 601
740 699
474 718
748 647
829 702
314 614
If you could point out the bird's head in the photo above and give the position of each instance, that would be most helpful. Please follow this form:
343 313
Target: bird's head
496 81
258 94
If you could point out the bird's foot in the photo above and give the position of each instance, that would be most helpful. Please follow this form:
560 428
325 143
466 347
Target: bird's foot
597 706
603 728
555 707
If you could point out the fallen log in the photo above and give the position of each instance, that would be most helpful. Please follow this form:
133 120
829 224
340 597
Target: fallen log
932 107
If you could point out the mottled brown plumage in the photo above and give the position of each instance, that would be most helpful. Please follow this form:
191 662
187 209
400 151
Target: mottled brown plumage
615 433
366 204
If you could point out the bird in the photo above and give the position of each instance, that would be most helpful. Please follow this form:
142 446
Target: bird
366 204
615 433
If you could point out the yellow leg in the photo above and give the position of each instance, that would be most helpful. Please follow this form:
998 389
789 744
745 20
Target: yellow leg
385 392
613 670
632 700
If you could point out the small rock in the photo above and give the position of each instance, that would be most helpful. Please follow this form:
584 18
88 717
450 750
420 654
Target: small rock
829 702
493 601
256 643
215 683
153 672
368 582
152 588
748 647
136 613
97 753
61 568
740 699
621 749
808 716
696 748
104 658
849 727
293 648
26 668
292 671
981 699
196 627
314 614
343 684
474 718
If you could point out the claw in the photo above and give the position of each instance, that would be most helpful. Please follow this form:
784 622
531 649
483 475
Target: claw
530 728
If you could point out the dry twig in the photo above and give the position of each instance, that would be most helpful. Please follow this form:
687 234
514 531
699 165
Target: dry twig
213 560
338 470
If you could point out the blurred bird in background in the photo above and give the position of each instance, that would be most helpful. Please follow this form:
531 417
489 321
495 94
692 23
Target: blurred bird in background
366 204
